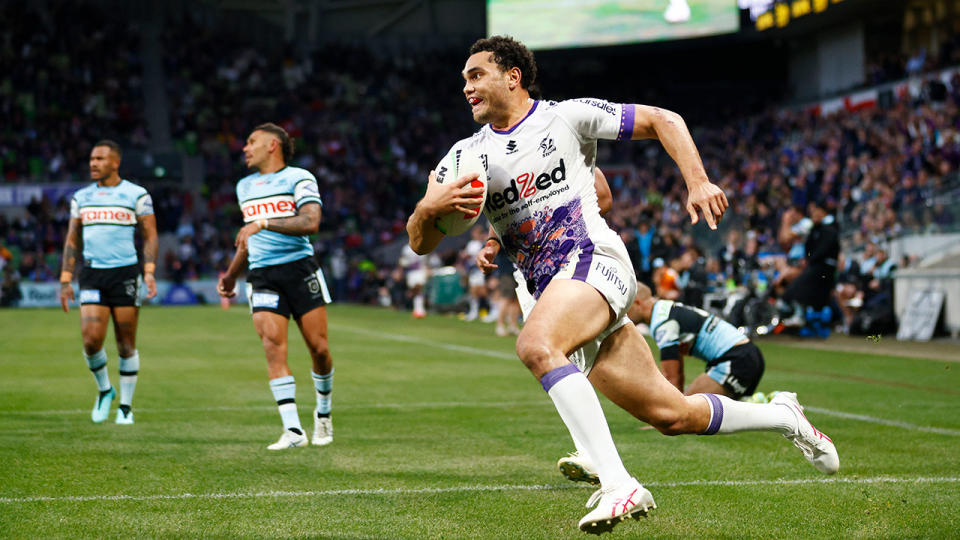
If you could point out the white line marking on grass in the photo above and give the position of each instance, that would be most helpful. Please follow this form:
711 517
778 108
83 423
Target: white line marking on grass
421 341
472 489
356 406
884 422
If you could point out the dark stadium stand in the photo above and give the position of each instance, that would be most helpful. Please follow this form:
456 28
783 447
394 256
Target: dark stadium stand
372 122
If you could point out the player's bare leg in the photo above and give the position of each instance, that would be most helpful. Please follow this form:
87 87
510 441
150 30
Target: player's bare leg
125 319
93 329
272 329
626 373
566 315
703 384
313 327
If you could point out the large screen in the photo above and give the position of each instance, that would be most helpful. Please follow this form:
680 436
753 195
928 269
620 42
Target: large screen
557 24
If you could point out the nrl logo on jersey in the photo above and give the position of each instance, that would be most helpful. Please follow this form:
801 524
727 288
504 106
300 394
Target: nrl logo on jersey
546 146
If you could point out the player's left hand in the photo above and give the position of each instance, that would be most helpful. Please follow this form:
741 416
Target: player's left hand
709 199
246 232
151 285
486 257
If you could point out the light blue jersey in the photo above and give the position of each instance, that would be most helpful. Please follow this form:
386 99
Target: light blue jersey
709 336
276 195
109 215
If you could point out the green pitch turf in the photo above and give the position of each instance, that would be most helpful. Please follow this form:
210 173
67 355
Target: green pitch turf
439 433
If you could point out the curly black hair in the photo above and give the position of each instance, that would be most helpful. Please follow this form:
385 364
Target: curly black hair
286 142
509 53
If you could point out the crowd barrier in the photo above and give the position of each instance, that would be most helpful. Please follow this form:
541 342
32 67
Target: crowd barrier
200 291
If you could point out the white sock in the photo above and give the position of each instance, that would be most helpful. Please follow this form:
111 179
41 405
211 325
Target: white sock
284 391
577 403
97 362
418 306
129 367
323 384
474 308
731 416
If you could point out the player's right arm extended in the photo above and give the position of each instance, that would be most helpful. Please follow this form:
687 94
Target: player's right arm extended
71 246
439 200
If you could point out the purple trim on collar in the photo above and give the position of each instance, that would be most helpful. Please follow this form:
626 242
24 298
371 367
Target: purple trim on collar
627 112
515 126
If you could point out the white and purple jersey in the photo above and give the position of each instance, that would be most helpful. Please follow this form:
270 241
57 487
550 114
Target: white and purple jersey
109 215
276 195
541 198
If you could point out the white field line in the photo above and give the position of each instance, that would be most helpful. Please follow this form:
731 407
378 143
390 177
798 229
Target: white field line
487 404
475 488
883 422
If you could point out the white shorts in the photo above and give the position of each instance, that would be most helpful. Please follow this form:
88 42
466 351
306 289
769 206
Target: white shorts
416 278
612 278
476 278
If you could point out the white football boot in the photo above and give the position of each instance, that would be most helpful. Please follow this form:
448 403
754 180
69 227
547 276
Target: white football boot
578 468
816 446
322 431
677 12
289 439
101 407
124 419
615 504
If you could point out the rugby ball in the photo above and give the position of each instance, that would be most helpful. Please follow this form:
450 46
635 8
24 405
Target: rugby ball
455 165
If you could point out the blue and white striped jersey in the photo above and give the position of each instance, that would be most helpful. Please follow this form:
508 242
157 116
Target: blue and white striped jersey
709 336
276 195
109 215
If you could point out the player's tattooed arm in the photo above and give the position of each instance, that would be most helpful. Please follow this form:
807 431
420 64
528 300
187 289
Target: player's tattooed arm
148 228
669 128
71 246
306 222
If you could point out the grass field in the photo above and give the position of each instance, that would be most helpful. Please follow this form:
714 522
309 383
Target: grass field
440 433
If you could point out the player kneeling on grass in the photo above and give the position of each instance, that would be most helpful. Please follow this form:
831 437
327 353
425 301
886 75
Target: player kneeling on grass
281 206
734 363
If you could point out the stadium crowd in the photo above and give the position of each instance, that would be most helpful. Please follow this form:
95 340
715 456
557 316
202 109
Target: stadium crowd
371 129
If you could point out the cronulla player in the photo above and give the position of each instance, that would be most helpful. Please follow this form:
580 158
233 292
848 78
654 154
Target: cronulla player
542 203
103 217
734 365
281 206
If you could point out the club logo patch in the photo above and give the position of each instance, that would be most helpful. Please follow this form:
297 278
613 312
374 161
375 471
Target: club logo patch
313 284
546 146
